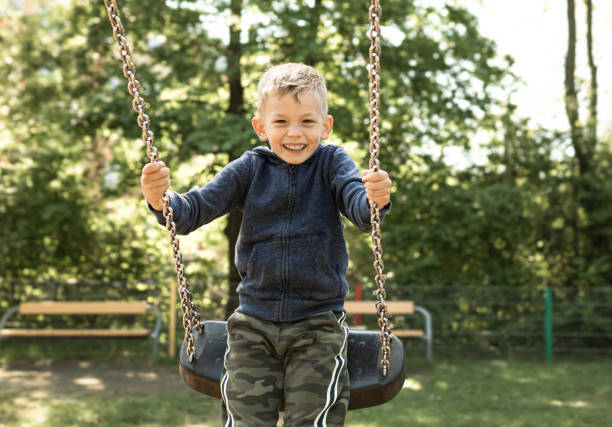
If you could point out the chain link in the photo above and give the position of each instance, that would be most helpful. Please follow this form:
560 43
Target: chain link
375 13
191 317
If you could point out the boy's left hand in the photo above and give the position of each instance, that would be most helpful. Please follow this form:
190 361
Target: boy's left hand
378 186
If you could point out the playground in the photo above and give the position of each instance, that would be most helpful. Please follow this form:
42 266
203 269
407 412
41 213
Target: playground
493 306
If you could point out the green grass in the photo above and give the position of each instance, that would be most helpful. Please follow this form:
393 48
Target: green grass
499 393
445 393
109 410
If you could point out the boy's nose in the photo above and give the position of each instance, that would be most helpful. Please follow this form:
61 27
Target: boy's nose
293 131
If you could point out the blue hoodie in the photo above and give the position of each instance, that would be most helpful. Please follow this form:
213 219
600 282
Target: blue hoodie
291 253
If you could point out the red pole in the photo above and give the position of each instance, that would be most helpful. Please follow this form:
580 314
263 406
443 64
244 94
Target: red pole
358 298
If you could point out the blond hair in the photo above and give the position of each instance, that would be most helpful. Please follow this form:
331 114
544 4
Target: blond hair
295 79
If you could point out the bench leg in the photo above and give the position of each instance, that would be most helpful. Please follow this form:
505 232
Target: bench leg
155 334
5 318
428 330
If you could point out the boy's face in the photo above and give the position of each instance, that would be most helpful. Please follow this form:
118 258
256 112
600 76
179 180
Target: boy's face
293 128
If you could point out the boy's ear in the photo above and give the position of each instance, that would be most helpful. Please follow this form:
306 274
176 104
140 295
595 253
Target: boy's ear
328 124
258 127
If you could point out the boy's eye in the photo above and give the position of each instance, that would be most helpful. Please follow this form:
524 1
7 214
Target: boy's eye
280 121
308 121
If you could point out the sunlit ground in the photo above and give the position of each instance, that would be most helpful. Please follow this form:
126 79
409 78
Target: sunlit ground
445 393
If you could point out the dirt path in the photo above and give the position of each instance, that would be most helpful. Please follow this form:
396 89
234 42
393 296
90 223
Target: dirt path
32 387
88 377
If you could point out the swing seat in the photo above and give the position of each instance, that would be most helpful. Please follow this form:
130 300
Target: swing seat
368 386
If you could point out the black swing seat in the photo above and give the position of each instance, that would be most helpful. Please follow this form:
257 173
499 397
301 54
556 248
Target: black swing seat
368 386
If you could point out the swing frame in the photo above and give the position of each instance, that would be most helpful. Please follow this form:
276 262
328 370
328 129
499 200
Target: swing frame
373 381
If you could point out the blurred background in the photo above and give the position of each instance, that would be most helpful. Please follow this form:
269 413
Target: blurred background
497 133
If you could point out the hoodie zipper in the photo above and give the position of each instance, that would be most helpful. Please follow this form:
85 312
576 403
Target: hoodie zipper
286 241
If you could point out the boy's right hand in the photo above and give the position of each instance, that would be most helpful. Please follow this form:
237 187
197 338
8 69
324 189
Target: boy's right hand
154 181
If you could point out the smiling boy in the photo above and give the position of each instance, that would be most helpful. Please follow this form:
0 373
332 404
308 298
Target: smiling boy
287 339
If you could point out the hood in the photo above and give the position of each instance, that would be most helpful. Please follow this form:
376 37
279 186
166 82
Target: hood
271 156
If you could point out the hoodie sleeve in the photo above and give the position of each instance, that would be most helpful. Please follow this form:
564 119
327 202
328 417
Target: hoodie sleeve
218 197
350 191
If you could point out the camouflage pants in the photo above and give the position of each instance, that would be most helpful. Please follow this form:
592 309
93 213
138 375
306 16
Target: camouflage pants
301 364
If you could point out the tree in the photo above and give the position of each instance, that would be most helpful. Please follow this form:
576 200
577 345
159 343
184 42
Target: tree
438 80
236 113
590 183
429 93
68 170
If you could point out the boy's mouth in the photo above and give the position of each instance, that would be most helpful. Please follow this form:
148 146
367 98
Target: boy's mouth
294 147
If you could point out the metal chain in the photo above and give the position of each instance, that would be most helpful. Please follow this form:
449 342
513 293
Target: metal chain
191 317
375 13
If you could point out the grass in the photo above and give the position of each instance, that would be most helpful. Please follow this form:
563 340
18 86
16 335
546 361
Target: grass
499 393
445 393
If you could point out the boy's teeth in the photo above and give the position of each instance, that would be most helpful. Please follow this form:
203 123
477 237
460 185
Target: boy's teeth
297 147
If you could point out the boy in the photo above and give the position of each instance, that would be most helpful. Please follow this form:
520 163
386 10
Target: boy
287 339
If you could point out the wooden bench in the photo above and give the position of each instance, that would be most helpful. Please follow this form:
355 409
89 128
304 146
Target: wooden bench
82 308
397 308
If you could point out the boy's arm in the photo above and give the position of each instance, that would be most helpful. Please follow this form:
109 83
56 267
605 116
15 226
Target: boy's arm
349 187
218 197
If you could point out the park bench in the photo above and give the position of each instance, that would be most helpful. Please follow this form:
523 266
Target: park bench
67 308
396 308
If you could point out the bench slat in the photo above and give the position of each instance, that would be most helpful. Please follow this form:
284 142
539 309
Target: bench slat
405 333
68 333
369 307
83 307
394 307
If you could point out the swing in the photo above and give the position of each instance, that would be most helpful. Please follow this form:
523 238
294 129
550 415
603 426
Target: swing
373 381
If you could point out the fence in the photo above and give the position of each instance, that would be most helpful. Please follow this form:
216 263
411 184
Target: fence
487 320
503 320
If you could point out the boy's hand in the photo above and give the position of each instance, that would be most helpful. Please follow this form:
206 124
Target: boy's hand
154 181
378 186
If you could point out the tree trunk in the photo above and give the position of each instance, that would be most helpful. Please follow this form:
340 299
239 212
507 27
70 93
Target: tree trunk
592 95
314 19
234 54
236 107
571 97
571 109
587 191
593 197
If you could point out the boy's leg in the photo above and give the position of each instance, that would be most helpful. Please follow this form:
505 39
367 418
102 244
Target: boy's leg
252 381
317 385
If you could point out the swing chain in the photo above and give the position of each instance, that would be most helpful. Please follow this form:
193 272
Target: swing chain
191 317
375 13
